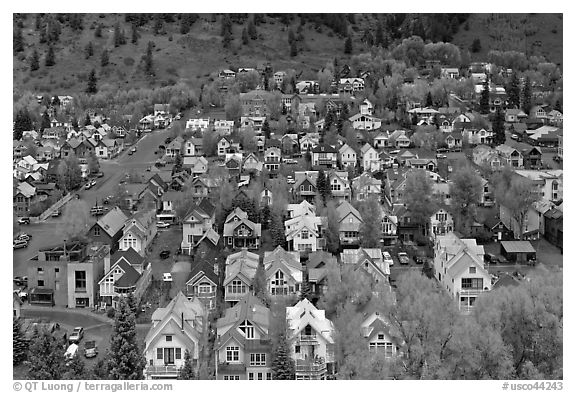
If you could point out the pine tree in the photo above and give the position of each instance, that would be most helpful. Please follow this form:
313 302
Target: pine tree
293 49
332 234
527 96
119 38
266 129
485 98
89 50
371 223
104 58
87 120
476 46
22 122
148 59
252 33
226 30
379 36
157 28
245 38
45 357
50 57
126 360
429 102
92 83
513 91
323 186
305 289
187 370
17 41
19 343
277 229
498 128
98 31
34 61
282 365
134 39
558 105
45 120
259 284
348 45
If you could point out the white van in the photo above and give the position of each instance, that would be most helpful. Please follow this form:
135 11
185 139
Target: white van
71 352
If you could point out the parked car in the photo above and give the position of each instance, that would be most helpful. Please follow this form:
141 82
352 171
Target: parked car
167 277
24 220
441 156
76 335
93 183
442 150
21 281
97 210
403 258
56 213
290 180
133 149
130 152
419 260
162 224
100 174
164 254
388 258
90 349
70 353
24 236
20 244
88 186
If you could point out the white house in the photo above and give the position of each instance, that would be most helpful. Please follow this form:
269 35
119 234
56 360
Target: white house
365 122
303 232
175 328
347 156
382 336
370 158
310 338
459 267
138 232
441 222
197 124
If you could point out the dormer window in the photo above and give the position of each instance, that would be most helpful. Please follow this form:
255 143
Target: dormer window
247 329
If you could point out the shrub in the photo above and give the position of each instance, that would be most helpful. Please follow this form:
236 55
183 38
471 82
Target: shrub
110 312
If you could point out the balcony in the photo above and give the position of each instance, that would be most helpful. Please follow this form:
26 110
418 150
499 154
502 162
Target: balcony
471 291
308 337
311 369
227 367
162 371
234 296
262 345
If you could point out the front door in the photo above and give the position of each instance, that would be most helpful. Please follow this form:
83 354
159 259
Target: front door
168 355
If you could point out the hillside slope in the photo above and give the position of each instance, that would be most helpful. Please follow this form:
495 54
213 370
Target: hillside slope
191 58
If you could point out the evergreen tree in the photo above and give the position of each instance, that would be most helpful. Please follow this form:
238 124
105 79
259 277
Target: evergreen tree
87 120
135 34
305 289
513 91
19 343
498 128
226 30
245 38
277 229
104 58
157 27
34 61
259 284
45 357
527 96
266 129
252 33
332 233
367 37
476 46
92 83
558 105
126 360
119 38
22 122
293 49
17 40
148 59
348 45
370 229
485 98
50 57
98 31
187 370
89 50
45 120
429 102
282 365
379 36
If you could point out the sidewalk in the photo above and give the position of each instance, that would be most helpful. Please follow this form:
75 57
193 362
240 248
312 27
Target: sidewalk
79 311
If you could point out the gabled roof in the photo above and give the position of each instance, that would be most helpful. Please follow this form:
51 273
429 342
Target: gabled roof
323 148
202 269
130 256
244 263
319 259
130 276
249 308
303 314
290 258
113 221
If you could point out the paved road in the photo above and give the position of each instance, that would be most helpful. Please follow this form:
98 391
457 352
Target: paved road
50 231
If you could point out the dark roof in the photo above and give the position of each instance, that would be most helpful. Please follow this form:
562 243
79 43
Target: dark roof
324 148
206 206
518 246
130 276
130 255
506 280
204 267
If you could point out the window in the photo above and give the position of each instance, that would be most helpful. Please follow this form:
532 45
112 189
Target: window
251 376
247 329
159 353
97 231
168 338
204 288
472 270
40 270
56 270
472 283
260 376
380 336
304 234
232 354
237 287
178 353
80 280
231 377
230 240
297 349
40 283
257 359
269 376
